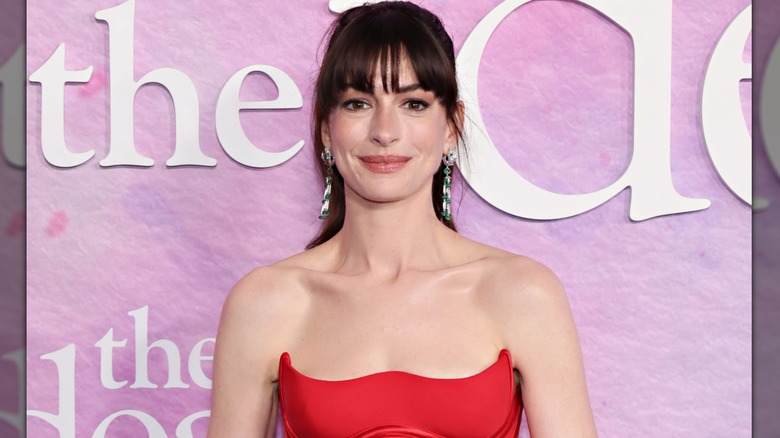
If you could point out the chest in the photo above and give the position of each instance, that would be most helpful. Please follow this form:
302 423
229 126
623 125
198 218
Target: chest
357 329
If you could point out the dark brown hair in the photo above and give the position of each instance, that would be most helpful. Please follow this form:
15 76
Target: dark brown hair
382 34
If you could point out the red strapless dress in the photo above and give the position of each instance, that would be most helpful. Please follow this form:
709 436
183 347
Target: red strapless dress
400 404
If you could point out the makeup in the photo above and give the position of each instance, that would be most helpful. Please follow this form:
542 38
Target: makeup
384 163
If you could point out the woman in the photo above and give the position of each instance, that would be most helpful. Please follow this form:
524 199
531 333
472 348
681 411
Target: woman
391 323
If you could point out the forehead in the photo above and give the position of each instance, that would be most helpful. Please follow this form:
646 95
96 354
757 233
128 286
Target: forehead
404 70
394 68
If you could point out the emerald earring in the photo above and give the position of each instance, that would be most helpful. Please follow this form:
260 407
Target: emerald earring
449 160
328 159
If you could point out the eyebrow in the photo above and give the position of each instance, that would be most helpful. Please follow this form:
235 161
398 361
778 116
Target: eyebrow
408 88
401 90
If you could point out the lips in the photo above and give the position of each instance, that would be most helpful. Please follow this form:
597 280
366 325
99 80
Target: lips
384 163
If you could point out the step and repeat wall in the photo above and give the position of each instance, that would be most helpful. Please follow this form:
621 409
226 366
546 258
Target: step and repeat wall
169 152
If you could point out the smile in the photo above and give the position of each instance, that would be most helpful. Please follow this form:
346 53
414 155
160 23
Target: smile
384 163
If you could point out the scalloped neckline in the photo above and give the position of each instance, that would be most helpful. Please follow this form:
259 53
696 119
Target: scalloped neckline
504 353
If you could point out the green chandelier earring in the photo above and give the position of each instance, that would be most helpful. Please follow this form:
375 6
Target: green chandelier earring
327 158
449 160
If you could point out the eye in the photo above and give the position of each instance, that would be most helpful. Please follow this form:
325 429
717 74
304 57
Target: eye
355 105
416 104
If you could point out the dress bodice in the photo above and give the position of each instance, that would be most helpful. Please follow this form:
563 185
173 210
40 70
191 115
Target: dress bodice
401 404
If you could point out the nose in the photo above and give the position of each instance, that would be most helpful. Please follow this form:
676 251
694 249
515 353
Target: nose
385 127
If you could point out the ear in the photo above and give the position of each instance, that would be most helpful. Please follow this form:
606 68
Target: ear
325 133
451 140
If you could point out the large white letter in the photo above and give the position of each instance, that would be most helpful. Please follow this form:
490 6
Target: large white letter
725 132
193 364
153 427
184 429
106 345
123 89
52 76
142 349
231 135
65 420
339 6
12 80
649 23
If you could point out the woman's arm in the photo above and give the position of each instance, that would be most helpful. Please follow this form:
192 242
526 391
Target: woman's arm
544 344
243 402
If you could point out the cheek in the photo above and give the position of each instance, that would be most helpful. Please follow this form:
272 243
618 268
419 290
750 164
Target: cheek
435 163
435 139
343 134
340 141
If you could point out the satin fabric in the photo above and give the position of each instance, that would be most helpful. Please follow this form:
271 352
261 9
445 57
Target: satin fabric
401 404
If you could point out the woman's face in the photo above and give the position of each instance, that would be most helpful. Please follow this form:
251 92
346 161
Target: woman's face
388 145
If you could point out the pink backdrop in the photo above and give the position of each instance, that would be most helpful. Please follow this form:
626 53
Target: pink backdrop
141 254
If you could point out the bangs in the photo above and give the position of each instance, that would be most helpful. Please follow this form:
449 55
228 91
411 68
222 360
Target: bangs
384 41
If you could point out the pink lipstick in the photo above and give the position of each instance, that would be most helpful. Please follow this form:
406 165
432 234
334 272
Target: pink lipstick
384 163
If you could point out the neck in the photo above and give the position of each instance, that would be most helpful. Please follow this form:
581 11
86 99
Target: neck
389 238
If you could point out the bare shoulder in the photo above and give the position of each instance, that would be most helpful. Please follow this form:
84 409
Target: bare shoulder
520 294
514 280
261 310
525 281
264 291
270 294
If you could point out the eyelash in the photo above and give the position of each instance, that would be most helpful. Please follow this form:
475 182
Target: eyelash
350 104
420 105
